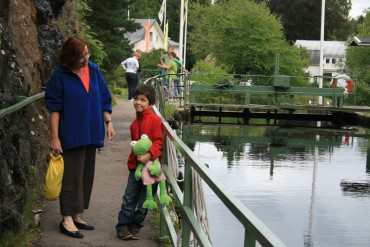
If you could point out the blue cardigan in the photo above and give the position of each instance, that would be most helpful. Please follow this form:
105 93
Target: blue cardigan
81 119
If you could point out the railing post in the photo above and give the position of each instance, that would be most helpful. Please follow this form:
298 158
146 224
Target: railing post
188 190
249 240
162 226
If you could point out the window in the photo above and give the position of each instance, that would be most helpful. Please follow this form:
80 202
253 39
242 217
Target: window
151 36
315 57
327 60
333 61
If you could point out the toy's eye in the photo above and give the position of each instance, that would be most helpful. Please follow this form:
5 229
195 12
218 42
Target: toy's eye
144 136
133 143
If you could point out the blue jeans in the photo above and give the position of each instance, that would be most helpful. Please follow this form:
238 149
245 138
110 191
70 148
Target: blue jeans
164 79
132 213
176 88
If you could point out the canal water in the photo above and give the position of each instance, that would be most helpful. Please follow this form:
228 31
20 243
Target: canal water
309 185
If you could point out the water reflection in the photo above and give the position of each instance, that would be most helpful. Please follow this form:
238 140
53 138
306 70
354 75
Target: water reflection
308 185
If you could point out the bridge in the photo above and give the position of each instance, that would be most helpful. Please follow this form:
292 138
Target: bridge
280 100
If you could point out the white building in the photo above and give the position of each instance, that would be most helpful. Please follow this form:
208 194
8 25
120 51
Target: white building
156 37
334 56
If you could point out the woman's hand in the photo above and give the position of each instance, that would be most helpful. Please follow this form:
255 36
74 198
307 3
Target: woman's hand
55 146
110 131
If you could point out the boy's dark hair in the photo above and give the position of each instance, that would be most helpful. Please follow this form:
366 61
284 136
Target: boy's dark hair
148 91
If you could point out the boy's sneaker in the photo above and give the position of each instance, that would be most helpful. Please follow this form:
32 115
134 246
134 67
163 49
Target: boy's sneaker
125 234
135 234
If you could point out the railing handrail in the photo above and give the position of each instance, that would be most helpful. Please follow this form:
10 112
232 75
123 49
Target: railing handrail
24 101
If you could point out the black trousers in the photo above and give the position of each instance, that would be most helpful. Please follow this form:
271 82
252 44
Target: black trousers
131 80
78 179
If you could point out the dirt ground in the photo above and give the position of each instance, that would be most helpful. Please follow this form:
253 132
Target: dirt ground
110 182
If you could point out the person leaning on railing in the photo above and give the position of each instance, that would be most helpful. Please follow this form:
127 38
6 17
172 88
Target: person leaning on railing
180 69
171 73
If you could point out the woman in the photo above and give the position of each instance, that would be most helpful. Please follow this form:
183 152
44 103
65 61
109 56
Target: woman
131 66
79 102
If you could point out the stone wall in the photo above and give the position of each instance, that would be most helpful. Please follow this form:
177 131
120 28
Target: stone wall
29 41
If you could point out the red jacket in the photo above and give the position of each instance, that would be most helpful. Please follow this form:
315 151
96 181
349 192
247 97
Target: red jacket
150 124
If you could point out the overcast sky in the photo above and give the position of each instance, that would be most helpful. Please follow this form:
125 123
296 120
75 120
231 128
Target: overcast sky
358 6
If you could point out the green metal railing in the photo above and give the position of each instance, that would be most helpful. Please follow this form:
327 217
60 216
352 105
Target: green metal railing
255 230
22 101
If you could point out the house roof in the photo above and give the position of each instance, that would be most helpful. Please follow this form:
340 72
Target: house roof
360 41
139 34
331 48
173 43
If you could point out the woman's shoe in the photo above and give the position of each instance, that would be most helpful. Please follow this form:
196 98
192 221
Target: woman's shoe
75 234
83 226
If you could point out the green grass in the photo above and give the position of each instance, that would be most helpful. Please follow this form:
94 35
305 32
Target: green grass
29 234
118 93
176 221
169 110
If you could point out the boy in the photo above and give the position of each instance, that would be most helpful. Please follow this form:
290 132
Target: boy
132 214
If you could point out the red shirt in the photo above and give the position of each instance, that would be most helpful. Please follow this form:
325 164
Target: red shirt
85 78
150 124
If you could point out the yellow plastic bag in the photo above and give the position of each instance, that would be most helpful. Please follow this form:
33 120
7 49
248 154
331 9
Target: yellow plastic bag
53 178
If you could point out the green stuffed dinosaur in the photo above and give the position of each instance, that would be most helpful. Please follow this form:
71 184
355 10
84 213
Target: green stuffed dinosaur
150 173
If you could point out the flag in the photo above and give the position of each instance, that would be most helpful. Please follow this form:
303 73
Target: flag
185 11
165 45
161 12
147 29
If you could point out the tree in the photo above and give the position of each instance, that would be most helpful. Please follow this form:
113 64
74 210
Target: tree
148 61
302 18
244 37
108 23
358 63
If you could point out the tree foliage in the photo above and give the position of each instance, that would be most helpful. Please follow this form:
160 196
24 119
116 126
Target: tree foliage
244 36
148 61
358 63
108 23
302 18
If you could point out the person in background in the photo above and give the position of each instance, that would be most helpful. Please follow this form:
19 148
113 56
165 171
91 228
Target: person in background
180 69
79 102
131 65
132 213
164 61
171 74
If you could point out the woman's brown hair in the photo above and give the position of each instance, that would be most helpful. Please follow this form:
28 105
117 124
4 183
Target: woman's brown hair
71 52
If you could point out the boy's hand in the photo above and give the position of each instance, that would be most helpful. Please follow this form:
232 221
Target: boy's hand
144 158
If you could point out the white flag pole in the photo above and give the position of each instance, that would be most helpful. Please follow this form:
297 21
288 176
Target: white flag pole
165 16
181 39
181 36
322 48
186 32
